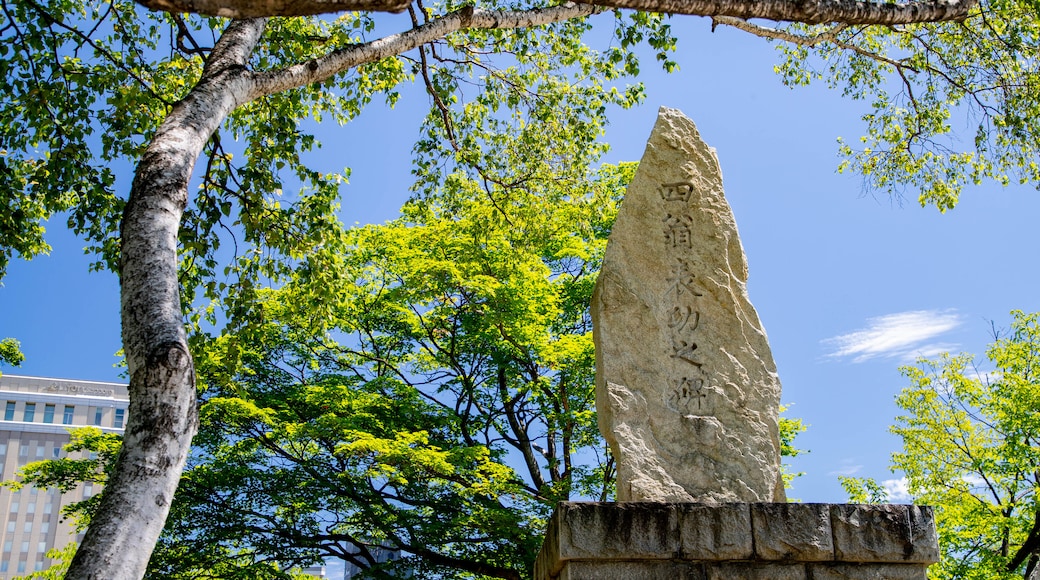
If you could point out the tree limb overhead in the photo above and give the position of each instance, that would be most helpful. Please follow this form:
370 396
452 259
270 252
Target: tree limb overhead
261 8
808 11
804 11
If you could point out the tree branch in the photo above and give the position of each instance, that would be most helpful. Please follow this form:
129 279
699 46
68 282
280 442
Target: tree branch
259 8
319 69
808 11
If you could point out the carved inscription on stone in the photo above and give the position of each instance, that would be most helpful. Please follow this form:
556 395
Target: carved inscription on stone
686 387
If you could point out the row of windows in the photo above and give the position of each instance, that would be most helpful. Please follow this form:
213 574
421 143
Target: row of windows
5 566
41 547
27 528
48 507
23 450
29 414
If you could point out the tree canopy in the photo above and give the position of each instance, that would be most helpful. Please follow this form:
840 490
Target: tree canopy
971 449
92 86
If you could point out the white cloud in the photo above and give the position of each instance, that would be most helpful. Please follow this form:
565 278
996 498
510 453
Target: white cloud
906 335
898 490
847 468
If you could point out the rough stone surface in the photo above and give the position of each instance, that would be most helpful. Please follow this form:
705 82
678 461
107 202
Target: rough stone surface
633 571
793 531
619 531
715 532
867 572
679 541
884 533
756 571
686 387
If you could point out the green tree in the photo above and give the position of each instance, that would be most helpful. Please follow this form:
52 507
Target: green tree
948 105
449 346
436 401
92 85
11 352
971 448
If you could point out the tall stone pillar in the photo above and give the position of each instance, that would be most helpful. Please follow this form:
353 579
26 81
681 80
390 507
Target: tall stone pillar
687 395
686 387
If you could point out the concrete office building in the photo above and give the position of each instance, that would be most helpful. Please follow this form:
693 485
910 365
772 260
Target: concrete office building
36 414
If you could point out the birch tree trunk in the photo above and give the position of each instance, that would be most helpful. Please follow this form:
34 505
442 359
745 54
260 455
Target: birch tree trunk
163 416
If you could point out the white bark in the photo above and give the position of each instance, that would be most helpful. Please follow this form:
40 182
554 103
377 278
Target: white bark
259 8
853 12
163 417
808 11
467 18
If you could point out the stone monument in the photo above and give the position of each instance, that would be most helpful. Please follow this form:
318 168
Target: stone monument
686 387
687 395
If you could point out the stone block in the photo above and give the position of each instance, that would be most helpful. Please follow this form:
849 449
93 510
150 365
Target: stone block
884 533
875 571
755 571
715 532
792 531
582 570
621 531
737 541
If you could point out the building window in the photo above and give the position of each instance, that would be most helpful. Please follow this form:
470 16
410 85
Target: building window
23 450
7 545
9 411
41 548
48 508
3 448
88 489
56 452
10 527
48 413
40 450
30 507
97 416
21 566
118 421
3 566
14 507
25 545
66 418
45 527
30 412
27 528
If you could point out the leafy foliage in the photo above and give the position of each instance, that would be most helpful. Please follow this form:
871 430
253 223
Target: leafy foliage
970 448
922 84
789 429
863 489
61 558
11 352
390 390
91 457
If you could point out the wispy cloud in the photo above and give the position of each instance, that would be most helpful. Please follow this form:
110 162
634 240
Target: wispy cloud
898 490
848 467
904 335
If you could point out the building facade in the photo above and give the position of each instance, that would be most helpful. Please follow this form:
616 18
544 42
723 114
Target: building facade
35 415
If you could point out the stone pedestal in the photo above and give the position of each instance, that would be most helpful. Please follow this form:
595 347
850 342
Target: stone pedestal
737 541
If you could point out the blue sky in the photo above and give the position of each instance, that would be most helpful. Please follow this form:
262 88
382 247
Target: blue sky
849 284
